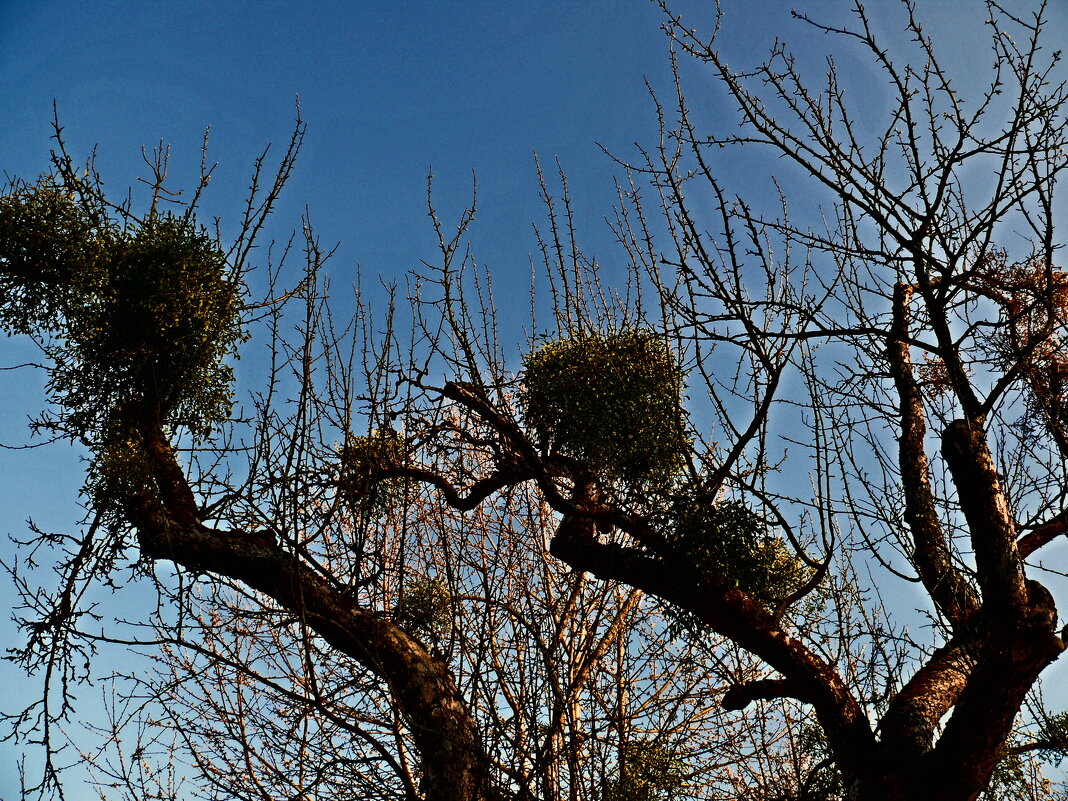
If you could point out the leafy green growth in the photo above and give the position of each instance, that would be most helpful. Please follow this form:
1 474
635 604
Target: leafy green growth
137 315
425 608
144 312
1053 734
812 776
53 248
364 462
1017 775
728 539
648 771
611 401
1012 779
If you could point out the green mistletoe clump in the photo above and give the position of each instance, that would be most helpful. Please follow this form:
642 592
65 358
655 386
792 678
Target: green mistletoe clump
365 462
729 540
137 315
425 608
612 401
647 771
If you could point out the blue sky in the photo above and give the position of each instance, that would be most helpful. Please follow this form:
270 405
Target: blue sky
387 89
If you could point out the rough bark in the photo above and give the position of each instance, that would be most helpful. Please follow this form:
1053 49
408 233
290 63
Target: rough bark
908 728
1006 669
1018 619
990 521
951 592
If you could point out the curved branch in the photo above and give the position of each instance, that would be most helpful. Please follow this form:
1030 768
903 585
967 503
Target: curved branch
732 613
476 493
454 762
1043 534
742 695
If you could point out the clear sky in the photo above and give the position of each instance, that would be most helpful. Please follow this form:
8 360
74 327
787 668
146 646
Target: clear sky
387 89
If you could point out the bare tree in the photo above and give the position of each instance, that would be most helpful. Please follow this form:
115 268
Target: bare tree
366 601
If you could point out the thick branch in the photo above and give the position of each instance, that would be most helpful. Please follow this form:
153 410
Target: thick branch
730 612
742 695
909 725
951 592
990 522
1042 534
455 765
1007 666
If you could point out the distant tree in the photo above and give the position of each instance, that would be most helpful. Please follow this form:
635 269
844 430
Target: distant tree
745 443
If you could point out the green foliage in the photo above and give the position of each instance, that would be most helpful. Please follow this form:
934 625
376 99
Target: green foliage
425 608
137 315
363 464
1053 733
648 771
730 540
52 246
140 315
121 467
611 401
1008 781
821 781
